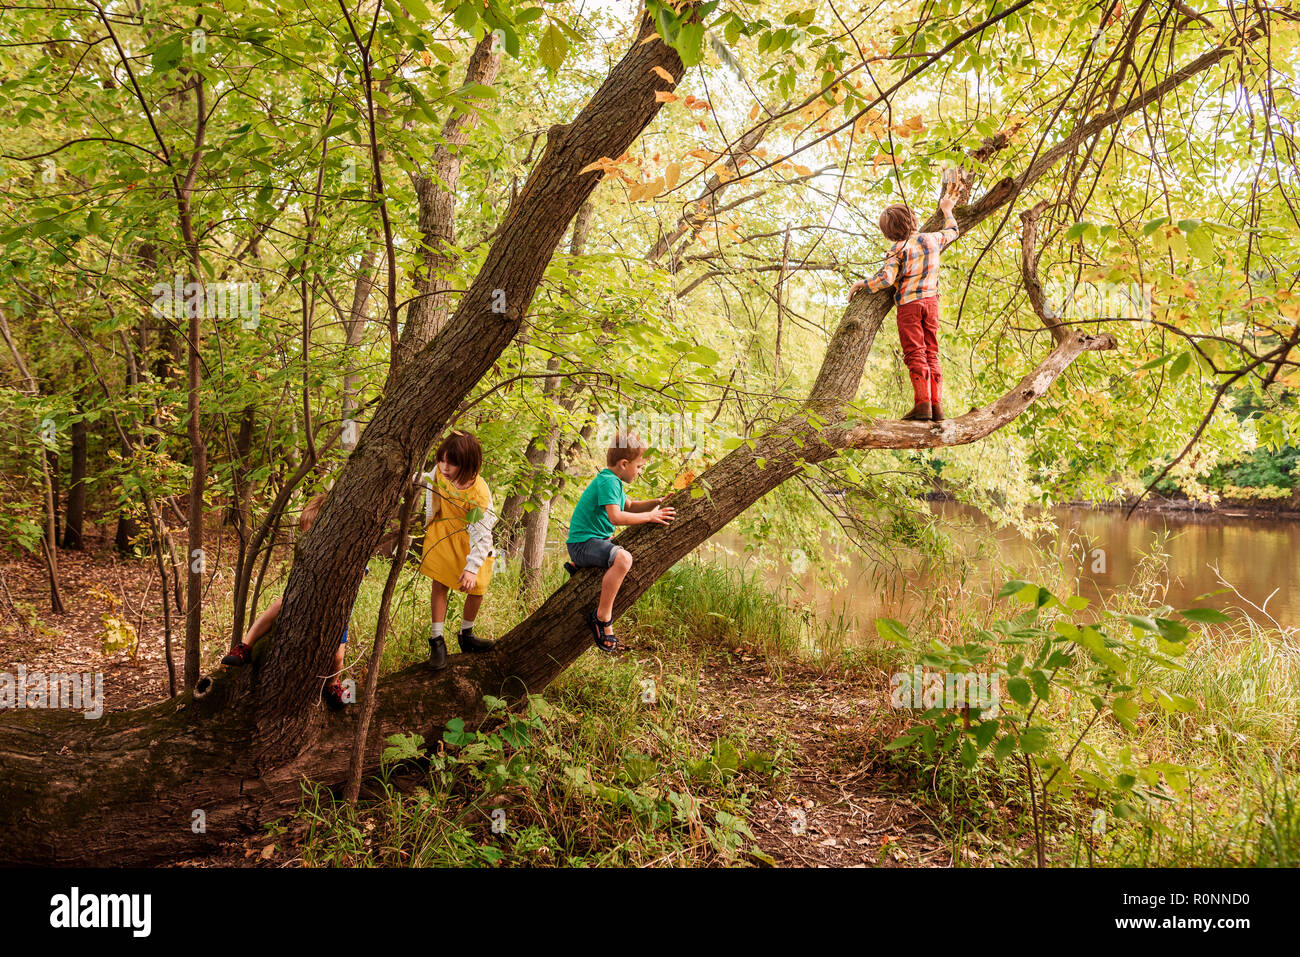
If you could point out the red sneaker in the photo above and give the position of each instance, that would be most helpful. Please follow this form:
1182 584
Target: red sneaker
241 654
333 695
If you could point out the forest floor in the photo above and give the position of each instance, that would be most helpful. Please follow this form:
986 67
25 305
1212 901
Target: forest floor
836 804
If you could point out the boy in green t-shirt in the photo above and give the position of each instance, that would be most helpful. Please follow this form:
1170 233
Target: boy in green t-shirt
603 505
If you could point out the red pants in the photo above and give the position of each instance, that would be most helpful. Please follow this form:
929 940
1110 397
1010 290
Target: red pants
918 331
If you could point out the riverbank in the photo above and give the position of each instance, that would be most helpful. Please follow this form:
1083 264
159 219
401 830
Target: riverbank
1282 508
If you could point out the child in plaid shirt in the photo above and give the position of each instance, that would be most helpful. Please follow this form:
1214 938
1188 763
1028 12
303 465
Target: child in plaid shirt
912 267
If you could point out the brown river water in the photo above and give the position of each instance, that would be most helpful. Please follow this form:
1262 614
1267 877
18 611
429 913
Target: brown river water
1259 557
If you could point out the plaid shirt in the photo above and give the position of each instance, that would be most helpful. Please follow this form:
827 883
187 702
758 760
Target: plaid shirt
912 264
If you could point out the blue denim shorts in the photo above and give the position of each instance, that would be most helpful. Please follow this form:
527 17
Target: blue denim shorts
594 552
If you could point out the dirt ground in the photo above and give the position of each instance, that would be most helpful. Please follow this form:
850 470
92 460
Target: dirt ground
96 585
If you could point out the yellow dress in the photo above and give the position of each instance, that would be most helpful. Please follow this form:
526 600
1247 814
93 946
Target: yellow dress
446 538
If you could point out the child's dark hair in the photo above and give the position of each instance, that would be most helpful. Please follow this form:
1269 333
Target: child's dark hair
462 450
897 222
626 445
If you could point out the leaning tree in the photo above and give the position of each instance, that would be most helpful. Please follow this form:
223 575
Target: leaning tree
123 789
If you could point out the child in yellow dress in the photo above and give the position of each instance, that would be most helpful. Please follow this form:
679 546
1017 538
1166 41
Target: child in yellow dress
457 540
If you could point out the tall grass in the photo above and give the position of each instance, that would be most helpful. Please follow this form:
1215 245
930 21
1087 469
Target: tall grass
1239 743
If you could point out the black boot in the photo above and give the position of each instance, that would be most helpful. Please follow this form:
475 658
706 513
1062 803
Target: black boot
469 642
437 653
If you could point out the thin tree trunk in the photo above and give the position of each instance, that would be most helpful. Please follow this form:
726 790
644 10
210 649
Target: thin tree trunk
436 195
75 516
370 697
537 521
49 544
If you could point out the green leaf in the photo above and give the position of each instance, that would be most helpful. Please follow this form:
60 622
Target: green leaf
1126 710
1201 245
1141 621
1208 616
168 54
456 735
1179 365
553 48
891 630
402 747
1011 588
1034 739
1020 691
1172 630
418 10
690 43
466 16
968 754
1155 224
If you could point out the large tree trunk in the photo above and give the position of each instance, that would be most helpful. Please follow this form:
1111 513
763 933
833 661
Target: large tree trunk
239 750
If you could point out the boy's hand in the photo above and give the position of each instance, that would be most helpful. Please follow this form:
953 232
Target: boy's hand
662 515
467 580
853 290
950 193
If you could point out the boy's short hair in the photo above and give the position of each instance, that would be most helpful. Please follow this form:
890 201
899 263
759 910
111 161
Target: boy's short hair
626 445
311 510
897 222
462 450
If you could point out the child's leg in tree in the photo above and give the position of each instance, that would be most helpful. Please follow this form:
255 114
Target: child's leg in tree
610 584
338 662
472 605
438 612
262 624
912 338
438 603
931 332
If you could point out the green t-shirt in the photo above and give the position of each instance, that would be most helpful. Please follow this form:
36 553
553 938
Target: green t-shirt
590 519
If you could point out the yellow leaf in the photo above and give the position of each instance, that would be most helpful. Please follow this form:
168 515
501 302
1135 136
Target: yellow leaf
683 480
601 163
660 71
706 155
671 175
653 188
802 170
663 96
753 112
